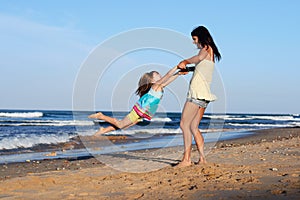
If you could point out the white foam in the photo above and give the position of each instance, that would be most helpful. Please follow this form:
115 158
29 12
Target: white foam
50 123
145 131
261 125
32 140
217 116
262 117
295 124
275 118
154 119
157 119
157 131
21 114
227 117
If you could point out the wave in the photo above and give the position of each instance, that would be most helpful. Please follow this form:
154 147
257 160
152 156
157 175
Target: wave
228 117
154 119
276 118
164 119
27 141
156 131
295 124
21 114
262 125
254 117
216 116
47 123
133 132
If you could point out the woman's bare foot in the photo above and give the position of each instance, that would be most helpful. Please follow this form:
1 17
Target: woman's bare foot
96 115
201 161
183 164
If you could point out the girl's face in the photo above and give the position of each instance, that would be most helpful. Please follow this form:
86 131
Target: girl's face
156 77
196 42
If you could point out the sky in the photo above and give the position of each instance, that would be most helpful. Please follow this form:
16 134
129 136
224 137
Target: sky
44 45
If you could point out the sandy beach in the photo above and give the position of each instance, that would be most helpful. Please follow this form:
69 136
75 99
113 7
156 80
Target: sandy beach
265 165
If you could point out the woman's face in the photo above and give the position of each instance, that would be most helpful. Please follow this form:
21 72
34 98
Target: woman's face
196 42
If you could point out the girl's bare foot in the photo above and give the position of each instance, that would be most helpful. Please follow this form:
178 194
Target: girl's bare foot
100 131
96 115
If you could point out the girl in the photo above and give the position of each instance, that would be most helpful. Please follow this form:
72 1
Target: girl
199 92
150 90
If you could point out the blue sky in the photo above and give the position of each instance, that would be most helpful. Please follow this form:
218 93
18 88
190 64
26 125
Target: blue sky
44 43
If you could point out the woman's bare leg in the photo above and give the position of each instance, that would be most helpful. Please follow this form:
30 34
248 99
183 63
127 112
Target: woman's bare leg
189 112
199 140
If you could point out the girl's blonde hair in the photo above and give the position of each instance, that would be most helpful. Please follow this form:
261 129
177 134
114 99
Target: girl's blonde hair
145 83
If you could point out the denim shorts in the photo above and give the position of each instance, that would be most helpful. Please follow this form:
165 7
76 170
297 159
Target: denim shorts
202 103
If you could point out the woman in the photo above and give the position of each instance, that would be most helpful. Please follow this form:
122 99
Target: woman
199 94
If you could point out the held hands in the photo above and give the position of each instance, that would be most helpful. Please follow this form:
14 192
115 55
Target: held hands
182 67
183 72
182 64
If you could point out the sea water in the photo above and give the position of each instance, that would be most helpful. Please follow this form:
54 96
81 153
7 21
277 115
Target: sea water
21 130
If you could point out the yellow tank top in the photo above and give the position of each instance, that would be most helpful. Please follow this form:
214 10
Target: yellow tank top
201 80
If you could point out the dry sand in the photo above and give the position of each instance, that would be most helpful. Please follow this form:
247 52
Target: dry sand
263 166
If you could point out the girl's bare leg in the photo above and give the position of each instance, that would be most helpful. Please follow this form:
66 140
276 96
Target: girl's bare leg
120 124
190 111
199 140
95 115
103 130
125 122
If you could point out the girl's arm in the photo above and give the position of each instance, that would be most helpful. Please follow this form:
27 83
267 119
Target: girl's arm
171 79
166 79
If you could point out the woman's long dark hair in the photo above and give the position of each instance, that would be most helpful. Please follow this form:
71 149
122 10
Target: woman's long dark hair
205 39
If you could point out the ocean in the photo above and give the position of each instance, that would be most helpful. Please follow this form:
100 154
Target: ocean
22 132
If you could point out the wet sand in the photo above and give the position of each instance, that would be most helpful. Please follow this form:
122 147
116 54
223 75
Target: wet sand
265 165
